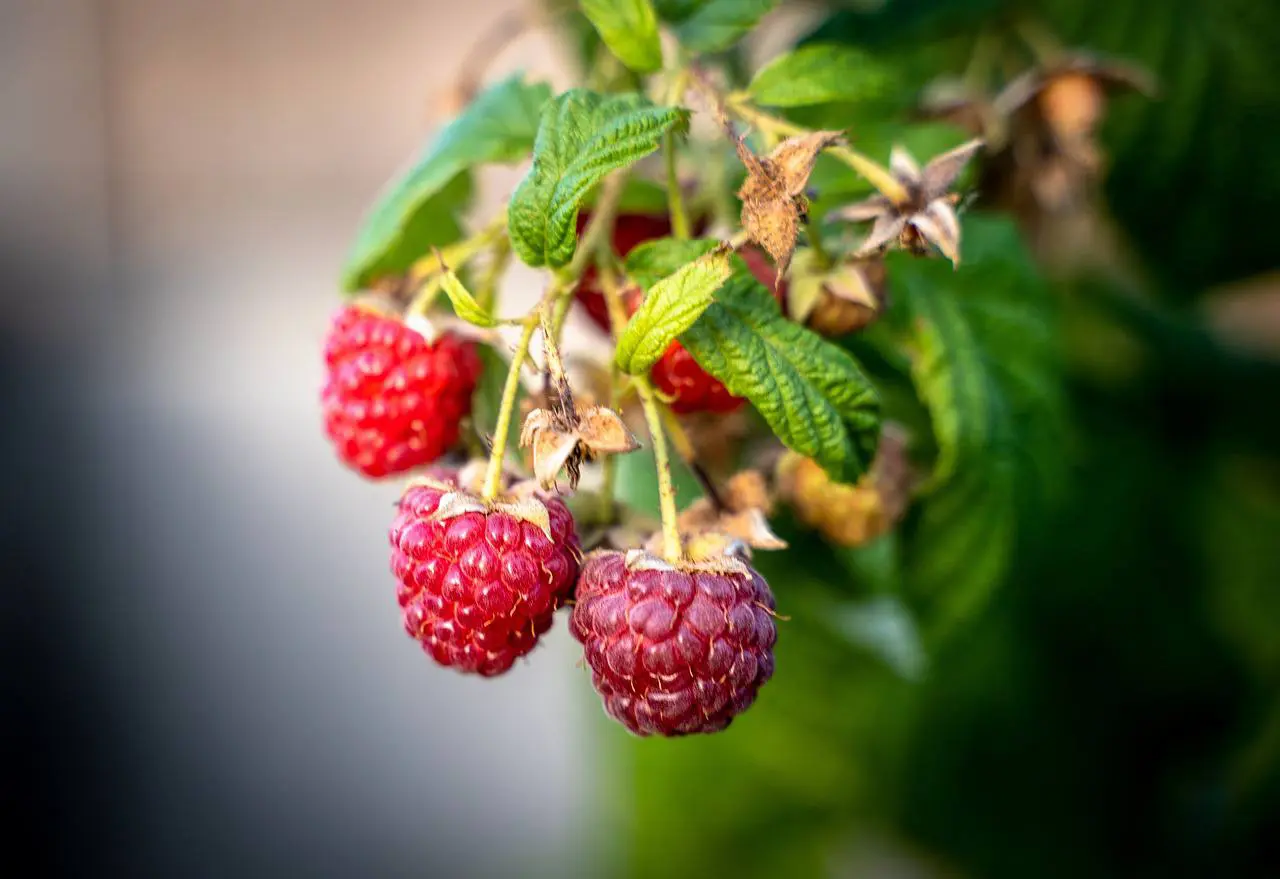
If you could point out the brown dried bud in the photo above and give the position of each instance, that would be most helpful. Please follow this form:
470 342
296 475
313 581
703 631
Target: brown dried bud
773 195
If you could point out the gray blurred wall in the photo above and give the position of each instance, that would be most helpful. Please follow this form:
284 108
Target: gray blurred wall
179 180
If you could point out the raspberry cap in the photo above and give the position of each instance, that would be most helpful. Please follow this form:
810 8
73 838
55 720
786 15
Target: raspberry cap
674 649
479 581
393 401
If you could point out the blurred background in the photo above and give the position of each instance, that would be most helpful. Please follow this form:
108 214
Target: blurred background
203 666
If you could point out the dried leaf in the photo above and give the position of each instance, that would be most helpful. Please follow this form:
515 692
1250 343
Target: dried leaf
751 527
552 451
850 282
773 223
868 209
773 199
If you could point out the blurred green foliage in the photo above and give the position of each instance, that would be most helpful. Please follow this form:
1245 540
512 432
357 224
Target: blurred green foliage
1113 709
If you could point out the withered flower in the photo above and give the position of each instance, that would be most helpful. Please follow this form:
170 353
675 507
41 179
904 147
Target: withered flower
773 195
927 216
563 437
837 300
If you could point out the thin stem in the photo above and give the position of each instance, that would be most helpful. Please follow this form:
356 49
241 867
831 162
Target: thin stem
672 550
598 233
675 195
461 252
487 292
493 475
617 321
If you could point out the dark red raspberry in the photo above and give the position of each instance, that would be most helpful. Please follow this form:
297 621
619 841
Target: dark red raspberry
479 583
392 400
674 651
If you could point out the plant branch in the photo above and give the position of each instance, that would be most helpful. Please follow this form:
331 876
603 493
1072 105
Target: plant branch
672 550
493 475
460 252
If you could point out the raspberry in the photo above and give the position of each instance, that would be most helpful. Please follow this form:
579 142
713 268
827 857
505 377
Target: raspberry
688 386
478 582
679 377
850 515
392 401
674 650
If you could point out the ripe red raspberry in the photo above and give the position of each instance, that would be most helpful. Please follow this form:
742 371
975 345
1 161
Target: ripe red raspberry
674 650
679 377
688 386
392 400
479 582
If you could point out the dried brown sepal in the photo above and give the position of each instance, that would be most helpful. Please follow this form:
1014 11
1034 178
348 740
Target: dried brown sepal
563 439
745 501
773 195
839 300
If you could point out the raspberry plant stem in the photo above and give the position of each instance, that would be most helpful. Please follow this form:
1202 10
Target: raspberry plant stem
672 550
493 475
617 320
461 252
675 196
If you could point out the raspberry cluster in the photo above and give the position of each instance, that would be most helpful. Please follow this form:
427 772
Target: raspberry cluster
393 401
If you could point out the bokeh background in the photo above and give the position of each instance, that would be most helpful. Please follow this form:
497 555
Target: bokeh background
204 672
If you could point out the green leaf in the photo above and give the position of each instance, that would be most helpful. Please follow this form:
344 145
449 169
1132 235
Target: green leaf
813 395
418 209
630 29
821 74
719 24
654 260
582 136
671 307
987 368
464 304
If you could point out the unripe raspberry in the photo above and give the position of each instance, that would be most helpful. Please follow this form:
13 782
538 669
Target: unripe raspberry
849 515
393 401
479 581
674 650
